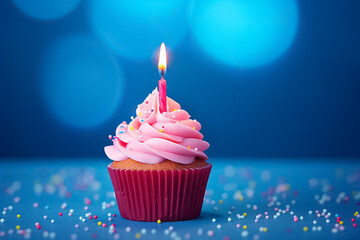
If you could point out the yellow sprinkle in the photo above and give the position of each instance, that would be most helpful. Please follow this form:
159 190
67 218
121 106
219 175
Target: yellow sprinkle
189 147
139 113
131 128
245 214
221 201
99 223
241 198
158 221
244 227
161 130
18 216
175 110
341 222
18 227
137 235
265 229
356 213
193 127
305 229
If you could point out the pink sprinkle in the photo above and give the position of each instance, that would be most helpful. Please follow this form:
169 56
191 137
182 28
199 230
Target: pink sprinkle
60 214
256 220
70 214
16 199
353 219
90 217
104 225
296 219
37 223
113 225
318 215
86 208
341 228
95 216
354 225
87 200
337 225
45 217
317 211
114 215
210 233
35 204
76 225
267 217
109 219
238 225
287 209
38 226
275 209
266 213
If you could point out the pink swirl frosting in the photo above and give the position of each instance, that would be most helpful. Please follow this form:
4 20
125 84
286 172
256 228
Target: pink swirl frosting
153 137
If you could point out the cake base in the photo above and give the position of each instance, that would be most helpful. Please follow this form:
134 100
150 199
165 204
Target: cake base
166 195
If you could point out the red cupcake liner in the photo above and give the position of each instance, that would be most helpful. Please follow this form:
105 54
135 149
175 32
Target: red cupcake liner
166 195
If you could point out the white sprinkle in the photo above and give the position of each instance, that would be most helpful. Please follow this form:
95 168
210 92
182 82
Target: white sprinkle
229 219
153 231
310 212
218 226
301 217
319 228
314 228
2 220
314 222
213 220
244 233
128 229
327 220
143 231
52 221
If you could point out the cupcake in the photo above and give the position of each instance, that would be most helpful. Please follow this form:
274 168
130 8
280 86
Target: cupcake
159 169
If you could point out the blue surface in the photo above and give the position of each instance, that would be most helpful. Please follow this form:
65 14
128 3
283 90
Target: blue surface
298 183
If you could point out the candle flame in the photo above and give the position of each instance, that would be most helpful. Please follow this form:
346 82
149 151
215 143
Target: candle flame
162 57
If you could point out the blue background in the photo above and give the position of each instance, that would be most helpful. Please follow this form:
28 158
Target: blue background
70 74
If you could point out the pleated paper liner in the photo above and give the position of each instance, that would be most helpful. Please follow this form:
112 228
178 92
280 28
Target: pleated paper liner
166 195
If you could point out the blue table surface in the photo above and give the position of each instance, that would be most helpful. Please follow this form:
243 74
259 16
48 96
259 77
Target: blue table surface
276 187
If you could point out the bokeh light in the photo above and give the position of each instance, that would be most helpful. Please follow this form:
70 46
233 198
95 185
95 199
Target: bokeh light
245 33
135 28
82 82
46 9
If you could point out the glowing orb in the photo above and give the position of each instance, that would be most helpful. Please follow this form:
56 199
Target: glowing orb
46 9
82 82
245 33
135 29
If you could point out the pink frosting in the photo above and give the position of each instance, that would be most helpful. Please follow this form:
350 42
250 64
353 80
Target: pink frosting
153 137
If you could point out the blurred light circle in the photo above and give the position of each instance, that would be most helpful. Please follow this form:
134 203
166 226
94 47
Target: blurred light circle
245 33
46 9
134 29
82 82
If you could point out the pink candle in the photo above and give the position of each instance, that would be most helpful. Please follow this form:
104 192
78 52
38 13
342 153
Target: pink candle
162 95
162 82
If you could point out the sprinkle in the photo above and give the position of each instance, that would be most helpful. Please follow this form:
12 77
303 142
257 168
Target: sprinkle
35 204
17 227
139 113
354 225
99 223
327 220
245 227
161 130
210 233
2 220
305 229
245 214
45 217
95 216
52 221
104 225
353 219
114 215
218 226
213 220
158 221
90 217
127 229
131 128
356 213
341 222
137 235
193 127
18 216
238 225
60 214
38 226
188 147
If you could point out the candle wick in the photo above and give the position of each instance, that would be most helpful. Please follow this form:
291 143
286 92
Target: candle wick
162 73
